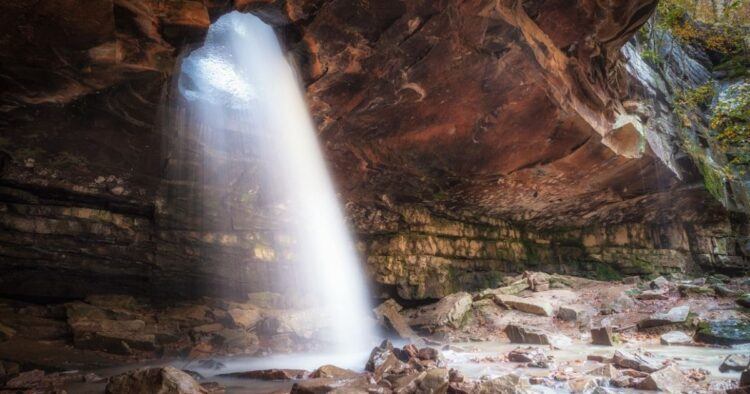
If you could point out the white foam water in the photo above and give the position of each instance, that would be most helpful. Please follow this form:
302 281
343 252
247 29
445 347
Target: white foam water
239 81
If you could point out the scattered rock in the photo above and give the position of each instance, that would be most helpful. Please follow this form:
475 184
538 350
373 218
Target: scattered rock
668 380
725 332
388 315
622 303
270 374
606 370
724 291
383 360
166 380
695 290
330 385
602 336
672 338
538 281
536 307
434 381
638 362
735 362
745 378
455 376
674 316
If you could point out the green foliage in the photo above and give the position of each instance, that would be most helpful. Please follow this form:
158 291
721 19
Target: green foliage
731 123
606 272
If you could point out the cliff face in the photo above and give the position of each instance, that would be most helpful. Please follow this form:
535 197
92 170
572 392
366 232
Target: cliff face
468 139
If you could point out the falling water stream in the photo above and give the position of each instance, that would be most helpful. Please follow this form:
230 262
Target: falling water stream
239 89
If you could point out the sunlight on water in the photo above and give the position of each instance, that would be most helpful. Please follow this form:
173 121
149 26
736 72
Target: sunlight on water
239 82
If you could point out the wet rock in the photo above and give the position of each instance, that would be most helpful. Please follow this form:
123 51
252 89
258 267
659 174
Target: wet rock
449 311
602 336
668 380
213 388
532 357
724 291
638 362
434 381
428 353
735 362
166 380
237 341
388 315
585 384
383 361
725 332
269 374
744 300
672 338
745 378
533 306
455 376
27 380
673 316
112 336
332 371
606 370
505 384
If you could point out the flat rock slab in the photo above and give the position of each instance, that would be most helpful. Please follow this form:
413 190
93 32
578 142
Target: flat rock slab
449 311
659 294
602 336
674 316
527 305
725 332
668 380
388 314
522 334
268 374
675 338
626 359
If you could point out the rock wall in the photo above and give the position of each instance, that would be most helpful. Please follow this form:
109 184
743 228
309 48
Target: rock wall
468 139
414 253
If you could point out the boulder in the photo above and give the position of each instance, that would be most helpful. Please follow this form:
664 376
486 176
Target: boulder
695 290
332 371
724 332
269 374
668 380
527 305
505 384
735 362
602 336
621 303
673 316
672 338
330 385
574 313
638 362
535 336
112 336
724 291
606 370
745 378
434 380
166 380
449 311
236 341
388 315
538 281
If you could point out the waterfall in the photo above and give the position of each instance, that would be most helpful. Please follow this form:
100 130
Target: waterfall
240 93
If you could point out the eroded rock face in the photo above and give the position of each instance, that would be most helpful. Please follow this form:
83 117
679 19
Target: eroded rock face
509 123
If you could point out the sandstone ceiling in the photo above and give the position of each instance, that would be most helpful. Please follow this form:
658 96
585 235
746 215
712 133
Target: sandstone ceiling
515 109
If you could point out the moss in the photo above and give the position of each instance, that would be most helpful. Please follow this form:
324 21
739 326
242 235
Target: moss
606 272
731 124
712 180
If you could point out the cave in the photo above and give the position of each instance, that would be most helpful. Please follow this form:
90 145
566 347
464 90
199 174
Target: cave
408 196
